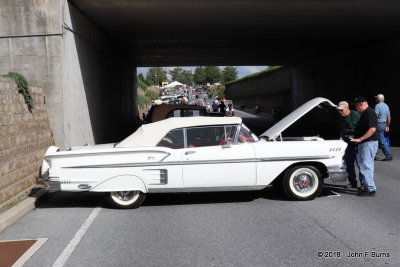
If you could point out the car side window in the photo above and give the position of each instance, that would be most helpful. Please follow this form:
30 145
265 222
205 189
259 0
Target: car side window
205 136
230 131
185 113
246 136
174 139
191 113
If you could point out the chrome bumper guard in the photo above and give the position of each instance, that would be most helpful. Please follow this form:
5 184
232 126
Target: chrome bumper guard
53 184
337 175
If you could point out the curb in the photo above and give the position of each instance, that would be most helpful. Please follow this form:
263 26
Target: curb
18 211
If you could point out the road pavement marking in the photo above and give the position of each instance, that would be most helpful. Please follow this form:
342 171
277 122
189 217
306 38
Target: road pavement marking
62 259
334 194
30 252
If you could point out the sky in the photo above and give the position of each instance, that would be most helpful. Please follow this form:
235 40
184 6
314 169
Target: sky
242 70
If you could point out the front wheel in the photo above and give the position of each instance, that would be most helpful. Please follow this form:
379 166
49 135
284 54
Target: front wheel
302 183
126 199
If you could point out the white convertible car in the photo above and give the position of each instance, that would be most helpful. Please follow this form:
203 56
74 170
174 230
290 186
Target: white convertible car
199 154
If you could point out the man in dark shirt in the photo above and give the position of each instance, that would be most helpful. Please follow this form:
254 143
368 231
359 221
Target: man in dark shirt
347 124
366 138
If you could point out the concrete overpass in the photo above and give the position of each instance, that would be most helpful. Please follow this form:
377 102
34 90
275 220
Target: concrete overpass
84 52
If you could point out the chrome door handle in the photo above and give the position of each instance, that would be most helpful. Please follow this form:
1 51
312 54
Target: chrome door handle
189 152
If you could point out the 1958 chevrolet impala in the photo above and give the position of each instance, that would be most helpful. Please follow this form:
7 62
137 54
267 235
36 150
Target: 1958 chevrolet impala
199 154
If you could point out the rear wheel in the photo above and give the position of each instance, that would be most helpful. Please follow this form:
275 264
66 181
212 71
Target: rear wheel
302 183
126 199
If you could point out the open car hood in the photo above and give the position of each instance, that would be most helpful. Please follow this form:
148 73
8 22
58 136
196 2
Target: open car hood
283 124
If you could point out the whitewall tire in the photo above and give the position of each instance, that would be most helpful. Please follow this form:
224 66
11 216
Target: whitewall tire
302 182
126 199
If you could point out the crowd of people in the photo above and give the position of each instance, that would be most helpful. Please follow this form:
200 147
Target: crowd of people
364 130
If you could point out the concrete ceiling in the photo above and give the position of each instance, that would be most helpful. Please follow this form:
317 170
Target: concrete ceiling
240 32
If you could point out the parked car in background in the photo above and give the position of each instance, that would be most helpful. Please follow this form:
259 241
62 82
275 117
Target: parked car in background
199 154
161 112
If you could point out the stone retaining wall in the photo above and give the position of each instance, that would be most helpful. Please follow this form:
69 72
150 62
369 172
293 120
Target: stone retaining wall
24 138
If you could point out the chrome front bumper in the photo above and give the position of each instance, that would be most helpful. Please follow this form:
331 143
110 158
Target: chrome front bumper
337 175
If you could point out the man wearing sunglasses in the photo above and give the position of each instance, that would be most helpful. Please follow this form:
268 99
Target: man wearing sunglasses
347 124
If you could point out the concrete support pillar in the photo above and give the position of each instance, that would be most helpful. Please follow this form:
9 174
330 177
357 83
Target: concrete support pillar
87 79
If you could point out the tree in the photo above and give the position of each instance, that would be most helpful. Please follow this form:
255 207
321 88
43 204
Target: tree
155 76
187 77
212 74
181 75
141 78
229 73
199 76
176 74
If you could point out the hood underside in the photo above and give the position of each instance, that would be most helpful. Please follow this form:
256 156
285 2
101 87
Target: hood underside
295 115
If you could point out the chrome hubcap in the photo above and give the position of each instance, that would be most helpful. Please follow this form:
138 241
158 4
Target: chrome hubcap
303 181
125 195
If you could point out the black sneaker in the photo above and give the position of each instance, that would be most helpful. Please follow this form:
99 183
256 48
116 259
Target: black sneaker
365 193
387 159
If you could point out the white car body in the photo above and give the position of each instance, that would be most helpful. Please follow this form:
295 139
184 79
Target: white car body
140 164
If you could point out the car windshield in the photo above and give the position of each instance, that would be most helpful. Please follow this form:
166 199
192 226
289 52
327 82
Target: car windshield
246 135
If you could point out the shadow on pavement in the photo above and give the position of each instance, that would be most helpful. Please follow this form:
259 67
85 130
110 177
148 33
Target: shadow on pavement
70 200
340 189
94 199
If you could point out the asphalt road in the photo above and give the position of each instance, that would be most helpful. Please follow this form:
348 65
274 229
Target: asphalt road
261 228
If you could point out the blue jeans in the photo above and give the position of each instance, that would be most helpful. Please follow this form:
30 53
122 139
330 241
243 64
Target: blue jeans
349 159
366 152
382 140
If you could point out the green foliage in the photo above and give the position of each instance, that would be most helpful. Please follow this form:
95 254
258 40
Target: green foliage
141 77
155 76
199 76
207 74
141 84
181 75
269 69
217 90
152 92
213 74
229 73
176 74
22 88
143 100
187 77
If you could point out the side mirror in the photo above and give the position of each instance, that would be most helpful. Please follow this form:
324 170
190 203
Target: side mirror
227 144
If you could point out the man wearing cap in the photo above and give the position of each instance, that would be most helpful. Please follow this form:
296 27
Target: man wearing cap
347 124
366 138
383 112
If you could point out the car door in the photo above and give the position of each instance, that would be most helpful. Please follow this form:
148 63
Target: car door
168 174
209 161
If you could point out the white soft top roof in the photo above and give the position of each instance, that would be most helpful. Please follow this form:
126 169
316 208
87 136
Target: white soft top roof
150 134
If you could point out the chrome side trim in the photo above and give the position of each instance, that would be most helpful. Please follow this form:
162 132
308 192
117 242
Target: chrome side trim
298 158
162 177
199 162
206 189
72 154
126 165
150 164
